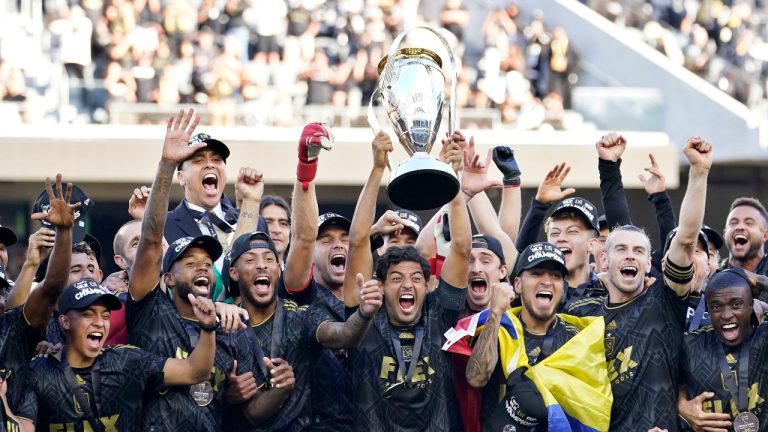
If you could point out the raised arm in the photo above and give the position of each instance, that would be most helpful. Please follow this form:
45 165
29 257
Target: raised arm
549 192
42 301
456 266
349 334
197 366
485 353
474 180
304 212
40 244
249 188
511 196
359 258
657 194
679 268
609 150
145 272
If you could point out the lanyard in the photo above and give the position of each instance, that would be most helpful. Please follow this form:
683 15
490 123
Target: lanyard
698 315
194 337
738 391
414 357
79 394
276 340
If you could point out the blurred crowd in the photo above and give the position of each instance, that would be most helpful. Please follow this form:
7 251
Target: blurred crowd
723 41
258 62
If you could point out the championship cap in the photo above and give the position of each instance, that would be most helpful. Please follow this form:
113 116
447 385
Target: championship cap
178 247
537 254
713 236
582 207
331 219
703 239
7 236
212 143
84 293
410 219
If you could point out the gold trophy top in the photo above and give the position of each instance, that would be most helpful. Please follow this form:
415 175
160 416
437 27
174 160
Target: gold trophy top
413 53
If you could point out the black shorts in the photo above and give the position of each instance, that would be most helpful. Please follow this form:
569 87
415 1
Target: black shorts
267 44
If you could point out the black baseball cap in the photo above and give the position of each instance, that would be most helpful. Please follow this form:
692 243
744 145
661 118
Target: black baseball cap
177 248
4 283
332 219
93 242
7 236
211 143
713 236
244 243
582 207
538 253
602 222
703 239
43 205
84 293
485 241
410 219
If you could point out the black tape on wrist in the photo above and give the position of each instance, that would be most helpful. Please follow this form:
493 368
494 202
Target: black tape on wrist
677 274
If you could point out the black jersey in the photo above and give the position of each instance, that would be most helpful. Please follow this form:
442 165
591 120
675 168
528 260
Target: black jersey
383 401
642 340
700 365
515 401
696 314
18 341
331 377
125 375
155 325
761 269
286 335
589 289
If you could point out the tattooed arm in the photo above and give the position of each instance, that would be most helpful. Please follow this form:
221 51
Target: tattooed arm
336 335
485 353
145 272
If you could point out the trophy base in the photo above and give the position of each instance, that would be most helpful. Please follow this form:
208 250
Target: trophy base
422 183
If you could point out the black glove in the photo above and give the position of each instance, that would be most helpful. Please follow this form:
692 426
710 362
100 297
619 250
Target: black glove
504 158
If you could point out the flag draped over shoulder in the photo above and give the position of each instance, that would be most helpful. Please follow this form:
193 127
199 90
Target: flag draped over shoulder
573 380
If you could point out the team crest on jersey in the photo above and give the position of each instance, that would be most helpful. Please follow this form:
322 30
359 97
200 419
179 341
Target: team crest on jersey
622 367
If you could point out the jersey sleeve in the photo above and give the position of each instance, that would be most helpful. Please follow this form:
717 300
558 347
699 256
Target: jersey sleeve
314 316
450 297
303 297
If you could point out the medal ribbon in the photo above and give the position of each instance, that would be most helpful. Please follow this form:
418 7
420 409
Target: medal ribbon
738 390
416 351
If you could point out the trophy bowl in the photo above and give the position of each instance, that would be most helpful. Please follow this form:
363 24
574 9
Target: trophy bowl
412 89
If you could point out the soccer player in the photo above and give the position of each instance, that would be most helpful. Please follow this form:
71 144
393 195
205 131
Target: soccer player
746 230
400 378
643 326
90 388
539 278
277 213
722 364
165 325
285 340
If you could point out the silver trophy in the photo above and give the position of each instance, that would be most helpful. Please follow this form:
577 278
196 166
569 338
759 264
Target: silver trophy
412 88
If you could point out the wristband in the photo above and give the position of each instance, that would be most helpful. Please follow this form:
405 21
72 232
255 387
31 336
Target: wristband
306 172
211 328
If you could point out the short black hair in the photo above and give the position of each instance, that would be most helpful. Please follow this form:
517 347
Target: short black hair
396 255
754 203
83 248
276 200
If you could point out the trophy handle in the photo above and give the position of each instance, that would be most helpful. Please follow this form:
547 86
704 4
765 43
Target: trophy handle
386 76
373 122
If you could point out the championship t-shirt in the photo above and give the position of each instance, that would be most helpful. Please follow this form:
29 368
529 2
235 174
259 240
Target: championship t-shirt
383 400
514 402
125 375
155 325
331 378
642 342
700 366
18 341
284 335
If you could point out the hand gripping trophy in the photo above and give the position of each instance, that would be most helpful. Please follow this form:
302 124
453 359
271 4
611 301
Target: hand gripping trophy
412 88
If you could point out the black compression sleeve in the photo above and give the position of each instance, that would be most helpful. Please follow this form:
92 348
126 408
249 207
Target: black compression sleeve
612 191
531 227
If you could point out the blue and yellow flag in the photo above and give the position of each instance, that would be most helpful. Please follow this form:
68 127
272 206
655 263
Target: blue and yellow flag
573 380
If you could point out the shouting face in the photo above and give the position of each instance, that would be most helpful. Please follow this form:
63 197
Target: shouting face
405 289
627 257
86 330
730 310
541 290
279 226
203 177
485 269
257 272
330 256
574 239
745 233
191 273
